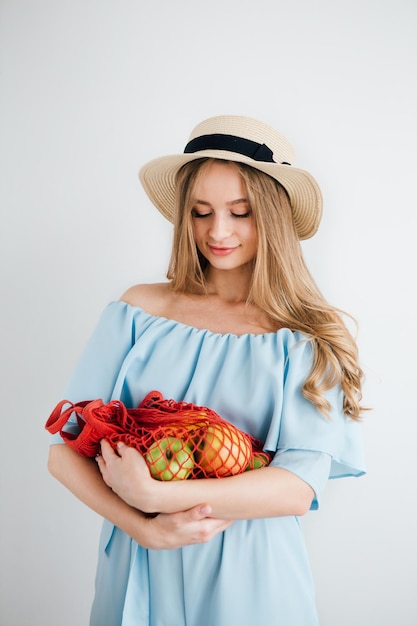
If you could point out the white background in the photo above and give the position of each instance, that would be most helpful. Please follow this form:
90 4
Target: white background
90 90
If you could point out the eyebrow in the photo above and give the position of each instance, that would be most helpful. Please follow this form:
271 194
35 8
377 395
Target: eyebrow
231 203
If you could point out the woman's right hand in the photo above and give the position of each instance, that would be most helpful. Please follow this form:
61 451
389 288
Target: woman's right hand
167 531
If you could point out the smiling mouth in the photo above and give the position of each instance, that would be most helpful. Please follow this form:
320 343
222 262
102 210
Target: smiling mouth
221 251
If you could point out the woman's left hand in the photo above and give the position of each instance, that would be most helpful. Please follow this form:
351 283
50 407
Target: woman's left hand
127 474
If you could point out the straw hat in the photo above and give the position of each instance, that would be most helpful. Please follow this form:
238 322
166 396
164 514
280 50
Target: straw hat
245 140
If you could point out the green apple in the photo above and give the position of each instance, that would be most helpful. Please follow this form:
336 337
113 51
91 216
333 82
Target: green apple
259 459
170 459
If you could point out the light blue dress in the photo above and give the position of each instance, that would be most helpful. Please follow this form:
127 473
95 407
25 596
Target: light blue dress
257 571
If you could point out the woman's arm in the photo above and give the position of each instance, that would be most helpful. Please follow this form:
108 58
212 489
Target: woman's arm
264 492
165 531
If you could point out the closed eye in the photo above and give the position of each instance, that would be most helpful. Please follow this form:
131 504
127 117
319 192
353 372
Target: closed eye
247 214
199 215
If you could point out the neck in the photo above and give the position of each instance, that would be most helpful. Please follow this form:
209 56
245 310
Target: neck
229 285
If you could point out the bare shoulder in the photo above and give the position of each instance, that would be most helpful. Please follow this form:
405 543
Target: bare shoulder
152 297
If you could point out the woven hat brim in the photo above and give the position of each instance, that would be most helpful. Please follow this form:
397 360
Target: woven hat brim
158 179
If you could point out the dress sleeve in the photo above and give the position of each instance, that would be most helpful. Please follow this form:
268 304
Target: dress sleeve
305 441
96 374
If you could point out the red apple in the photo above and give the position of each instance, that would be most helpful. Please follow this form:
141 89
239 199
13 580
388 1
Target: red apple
224 451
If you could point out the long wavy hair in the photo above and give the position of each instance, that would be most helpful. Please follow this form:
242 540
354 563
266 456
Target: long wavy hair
281 283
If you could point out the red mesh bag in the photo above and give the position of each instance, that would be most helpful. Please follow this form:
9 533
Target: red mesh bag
178 440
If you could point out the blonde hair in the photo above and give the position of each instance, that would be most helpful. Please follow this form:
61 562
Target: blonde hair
281 285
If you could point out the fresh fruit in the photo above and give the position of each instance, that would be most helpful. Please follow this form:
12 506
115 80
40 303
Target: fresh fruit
259 459
194 432
224 451
170 459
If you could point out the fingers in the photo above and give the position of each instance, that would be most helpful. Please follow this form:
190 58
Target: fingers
203 512
199 512
107 451
109 455
103 470
205 527
105 461
190 527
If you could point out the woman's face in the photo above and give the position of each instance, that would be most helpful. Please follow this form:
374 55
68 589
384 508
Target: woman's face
223 224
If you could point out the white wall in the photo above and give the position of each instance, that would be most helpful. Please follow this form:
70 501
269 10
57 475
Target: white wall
91 89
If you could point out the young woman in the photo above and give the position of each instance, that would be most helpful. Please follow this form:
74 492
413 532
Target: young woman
242 328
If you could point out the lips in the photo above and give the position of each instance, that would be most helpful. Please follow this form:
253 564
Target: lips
221 251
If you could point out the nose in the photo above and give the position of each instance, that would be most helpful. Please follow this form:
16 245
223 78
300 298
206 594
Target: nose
220 228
